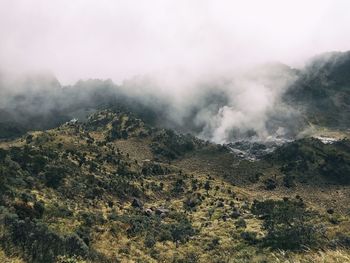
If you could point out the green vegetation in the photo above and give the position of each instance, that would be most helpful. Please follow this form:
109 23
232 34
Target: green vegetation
116 190
309 158
287 223
323 91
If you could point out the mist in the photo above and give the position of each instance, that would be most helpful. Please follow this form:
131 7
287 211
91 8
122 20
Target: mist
120 39
210 68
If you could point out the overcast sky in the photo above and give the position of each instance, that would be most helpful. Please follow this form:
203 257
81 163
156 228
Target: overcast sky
118 39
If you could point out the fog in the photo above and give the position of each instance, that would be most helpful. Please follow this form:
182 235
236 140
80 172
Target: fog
119 39
179 52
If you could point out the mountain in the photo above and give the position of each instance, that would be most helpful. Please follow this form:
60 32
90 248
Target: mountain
116 189
322 90
99 172
268 100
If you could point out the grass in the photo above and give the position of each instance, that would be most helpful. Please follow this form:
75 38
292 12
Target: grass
216 239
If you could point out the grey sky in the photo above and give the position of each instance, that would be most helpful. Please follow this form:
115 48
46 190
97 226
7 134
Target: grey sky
118 39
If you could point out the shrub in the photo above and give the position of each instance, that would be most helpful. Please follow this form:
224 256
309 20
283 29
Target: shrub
179 230
3 154
24 210
192 201
37 243
149 241
288 224
54 175
289 181
39 207
240 223
270 184
337 168
342 240
178 186
249 237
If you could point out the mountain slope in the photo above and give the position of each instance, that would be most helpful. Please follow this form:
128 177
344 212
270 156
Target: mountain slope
317 94
114 189
322 90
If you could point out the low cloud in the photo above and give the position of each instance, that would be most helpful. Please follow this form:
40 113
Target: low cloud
201 64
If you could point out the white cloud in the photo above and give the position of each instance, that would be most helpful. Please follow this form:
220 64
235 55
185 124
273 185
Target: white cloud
118 39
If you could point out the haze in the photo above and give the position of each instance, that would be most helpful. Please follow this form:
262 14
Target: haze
119 39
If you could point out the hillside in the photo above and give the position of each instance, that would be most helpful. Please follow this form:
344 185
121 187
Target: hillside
322 90
115 189
315 96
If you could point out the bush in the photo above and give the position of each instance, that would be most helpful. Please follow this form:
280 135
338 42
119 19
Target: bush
54 175
289 181
337 168
24 210
150 241
342 240
170 145
179 230
241 223
39 207
249 237
151 168
37 243
3 154
178 187
288 224
270 184
192 201
188 257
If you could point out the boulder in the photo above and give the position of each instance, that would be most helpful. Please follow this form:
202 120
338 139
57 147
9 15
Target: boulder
220 204
148 212
235 214
136 203
162 211
330 211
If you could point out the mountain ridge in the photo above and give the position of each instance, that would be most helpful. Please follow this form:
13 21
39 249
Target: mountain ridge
319 96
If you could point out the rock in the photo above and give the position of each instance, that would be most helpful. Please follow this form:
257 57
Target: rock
248 216
136 203
192 201
148 212
245 206
330 211
99 229
160 211
220 204
235 214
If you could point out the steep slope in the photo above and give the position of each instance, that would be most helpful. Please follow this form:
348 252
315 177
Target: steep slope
322 90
